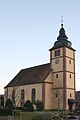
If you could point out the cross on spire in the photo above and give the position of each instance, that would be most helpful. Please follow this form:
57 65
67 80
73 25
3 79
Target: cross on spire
62 21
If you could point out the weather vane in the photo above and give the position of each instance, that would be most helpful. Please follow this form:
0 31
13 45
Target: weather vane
62 21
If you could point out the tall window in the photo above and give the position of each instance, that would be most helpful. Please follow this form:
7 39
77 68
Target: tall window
33 97
22 94
13 96
22 97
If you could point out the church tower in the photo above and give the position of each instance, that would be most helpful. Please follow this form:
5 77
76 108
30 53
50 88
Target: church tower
62 61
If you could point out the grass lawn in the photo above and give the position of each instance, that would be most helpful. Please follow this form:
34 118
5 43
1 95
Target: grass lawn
30 115
26 116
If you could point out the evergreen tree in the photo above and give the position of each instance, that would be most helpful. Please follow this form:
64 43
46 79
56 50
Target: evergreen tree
39 105
9 104
28 106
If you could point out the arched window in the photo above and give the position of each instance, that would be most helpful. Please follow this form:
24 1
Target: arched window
22 97
22 94
13 96
33 97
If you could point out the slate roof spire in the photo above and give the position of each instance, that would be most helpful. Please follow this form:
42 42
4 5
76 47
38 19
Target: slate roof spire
62 34
62 39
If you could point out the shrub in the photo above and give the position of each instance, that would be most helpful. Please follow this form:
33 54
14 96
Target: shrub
9 104
28 106
2 101
5 112
39 105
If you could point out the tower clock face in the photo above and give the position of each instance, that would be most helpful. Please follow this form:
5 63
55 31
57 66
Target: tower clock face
57 61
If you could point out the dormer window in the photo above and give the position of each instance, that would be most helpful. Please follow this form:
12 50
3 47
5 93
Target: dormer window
57 53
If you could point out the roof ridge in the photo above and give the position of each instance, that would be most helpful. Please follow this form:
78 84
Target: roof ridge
35 66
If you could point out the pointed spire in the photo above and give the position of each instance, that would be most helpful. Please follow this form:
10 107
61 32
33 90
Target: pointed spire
62 39
62 34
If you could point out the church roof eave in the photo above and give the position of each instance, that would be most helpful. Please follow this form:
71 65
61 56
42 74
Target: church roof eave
53 48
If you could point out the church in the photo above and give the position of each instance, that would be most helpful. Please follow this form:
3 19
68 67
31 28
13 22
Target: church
52 83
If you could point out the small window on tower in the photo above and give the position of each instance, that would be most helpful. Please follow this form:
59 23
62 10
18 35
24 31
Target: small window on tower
70 75
56 95
56 53
56 75
69 61
70 95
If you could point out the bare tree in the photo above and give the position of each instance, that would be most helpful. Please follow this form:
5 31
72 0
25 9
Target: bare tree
58 97
17 96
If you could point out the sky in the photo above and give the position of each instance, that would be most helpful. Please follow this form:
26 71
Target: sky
29 28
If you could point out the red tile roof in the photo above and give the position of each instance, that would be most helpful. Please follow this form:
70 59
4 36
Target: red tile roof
31 75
